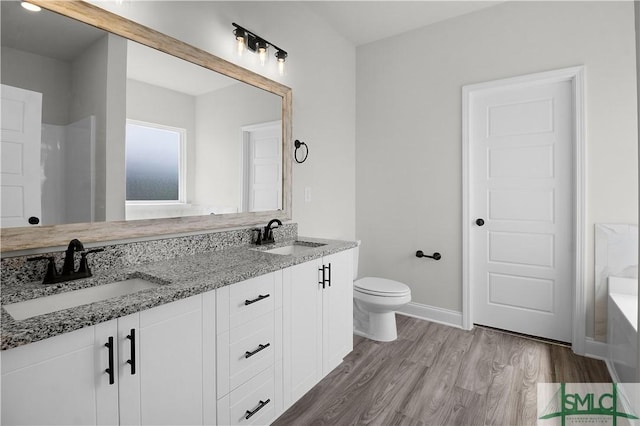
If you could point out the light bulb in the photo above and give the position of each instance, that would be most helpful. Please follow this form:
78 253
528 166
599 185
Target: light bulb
30 6
262 51
282 56
281 66
240 41
240 46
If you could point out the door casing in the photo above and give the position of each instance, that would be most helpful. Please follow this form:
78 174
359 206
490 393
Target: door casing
575 75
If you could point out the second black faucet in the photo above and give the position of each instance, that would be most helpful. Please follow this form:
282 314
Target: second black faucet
266 236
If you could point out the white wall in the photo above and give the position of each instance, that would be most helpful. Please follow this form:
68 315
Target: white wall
115 108
408 150
89 82
51 77
321 72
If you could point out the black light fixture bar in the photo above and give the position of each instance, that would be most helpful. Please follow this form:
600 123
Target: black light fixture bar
253 41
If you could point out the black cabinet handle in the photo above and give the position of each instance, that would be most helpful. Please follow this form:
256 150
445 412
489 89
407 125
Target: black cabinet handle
326 277
323 280
258 408
132 361
479 222
260 347
257 299
110 371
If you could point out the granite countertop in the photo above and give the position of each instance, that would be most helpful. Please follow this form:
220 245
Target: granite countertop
179 277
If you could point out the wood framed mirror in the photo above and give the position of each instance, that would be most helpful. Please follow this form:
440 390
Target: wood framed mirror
102 226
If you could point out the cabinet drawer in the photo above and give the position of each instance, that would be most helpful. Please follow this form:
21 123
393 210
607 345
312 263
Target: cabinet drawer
255 399
251 299
245 351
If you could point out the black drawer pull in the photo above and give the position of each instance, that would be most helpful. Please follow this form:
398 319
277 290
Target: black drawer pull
132 361
258 408
110 371
257 299
260 347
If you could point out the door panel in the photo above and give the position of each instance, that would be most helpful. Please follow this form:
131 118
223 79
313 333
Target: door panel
263 189
20 156
521 260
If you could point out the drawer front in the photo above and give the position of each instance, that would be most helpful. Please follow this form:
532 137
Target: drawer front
257 396
245 351
250 299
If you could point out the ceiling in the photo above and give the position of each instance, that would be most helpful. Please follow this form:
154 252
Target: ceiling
363 22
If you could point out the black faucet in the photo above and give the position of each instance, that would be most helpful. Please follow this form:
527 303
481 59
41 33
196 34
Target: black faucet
68 267
266 237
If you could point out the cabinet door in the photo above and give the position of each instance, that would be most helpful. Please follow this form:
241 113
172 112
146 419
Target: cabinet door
171 372
60 380
302 324
128 369
337 311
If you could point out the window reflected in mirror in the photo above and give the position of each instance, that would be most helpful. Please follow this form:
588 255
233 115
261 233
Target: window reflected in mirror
154 163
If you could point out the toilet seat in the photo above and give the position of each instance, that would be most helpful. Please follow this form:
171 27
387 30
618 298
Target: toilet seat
381 287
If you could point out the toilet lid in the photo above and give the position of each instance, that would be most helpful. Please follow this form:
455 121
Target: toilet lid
381 287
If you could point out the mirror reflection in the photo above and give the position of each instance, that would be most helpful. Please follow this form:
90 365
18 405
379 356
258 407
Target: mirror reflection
97 127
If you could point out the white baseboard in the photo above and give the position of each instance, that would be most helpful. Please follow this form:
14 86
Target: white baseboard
432 313
595 349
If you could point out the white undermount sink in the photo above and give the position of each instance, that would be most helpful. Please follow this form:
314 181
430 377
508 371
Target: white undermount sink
57 302
296 247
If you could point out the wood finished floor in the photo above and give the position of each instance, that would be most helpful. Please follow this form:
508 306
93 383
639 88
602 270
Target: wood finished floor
439 375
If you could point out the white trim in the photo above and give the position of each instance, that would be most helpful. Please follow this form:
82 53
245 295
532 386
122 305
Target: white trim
577 76
432 313
596 349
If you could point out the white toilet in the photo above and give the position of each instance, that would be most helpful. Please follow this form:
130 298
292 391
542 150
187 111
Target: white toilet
375 301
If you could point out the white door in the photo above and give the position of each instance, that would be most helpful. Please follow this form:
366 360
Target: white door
20 156
521 258
263 177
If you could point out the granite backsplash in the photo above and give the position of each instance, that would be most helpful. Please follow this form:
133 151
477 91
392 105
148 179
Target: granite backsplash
17 269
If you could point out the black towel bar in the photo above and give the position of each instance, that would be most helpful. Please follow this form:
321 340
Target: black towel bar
435 256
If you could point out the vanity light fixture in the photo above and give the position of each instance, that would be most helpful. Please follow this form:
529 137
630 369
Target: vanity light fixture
247 40
30 6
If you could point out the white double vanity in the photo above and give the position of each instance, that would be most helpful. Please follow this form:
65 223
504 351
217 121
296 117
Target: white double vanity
240 353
